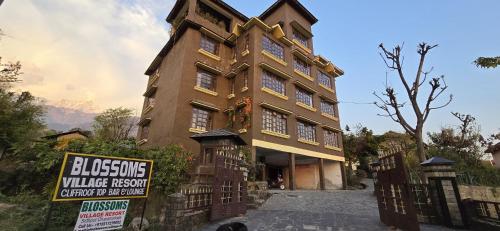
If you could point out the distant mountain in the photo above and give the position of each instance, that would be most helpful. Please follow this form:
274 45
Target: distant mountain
65 118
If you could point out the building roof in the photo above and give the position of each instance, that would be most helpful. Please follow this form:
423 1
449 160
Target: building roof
493 148
219 133
437 161
179 3
295 4
83 133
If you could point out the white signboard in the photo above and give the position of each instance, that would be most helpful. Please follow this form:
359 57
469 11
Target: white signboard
102 215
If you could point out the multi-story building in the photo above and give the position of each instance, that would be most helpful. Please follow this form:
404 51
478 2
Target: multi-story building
259 77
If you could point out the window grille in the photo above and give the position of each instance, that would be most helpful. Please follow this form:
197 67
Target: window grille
304 96
302 39
302 66
206 80
273 121
331 138
209 44
273 82
325 80
202 119
327 107
273 47
306 131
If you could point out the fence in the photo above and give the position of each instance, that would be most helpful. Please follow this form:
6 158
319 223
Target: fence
198 197
426 212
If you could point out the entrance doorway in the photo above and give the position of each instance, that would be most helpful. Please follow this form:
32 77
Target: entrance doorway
273 173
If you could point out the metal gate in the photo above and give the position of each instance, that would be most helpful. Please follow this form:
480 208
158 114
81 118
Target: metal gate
229 186
394 197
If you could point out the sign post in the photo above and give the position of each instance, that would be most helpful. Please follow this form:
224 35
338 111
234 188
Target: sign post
100 181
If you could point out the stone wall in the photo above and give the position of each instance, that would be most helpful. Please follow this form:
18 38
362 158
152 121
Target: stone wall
175 216
479 193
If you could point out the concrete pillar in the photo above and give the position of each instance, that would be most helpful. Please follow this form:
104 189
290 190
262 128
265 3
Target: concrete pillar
291 172
440 175
321 174
342 172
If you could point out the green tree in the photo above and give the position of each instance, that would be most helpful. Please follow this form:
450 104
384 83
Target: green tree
360 146
21 121
464 145
487 62
114 124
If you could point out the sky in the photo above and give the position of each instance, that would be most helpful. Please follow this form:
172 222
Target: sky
94 53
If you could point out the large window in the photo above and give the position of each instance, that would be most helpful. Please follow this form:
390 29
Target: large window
209 44
202 119
273 121
273 47
302 66
327 107
205 80
273 82
306 131
325 80
302 39
304 96
331 138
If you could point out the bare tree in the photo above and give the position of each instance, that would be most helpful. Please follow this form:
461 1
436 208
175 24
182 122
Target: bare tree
391 104
9 72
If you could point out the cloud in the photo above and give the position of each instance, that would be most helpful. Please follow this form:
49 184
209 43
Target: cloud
83 50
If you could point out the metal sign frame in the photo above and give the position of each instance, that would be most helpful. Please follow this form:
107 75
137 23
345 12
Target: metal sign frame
55 197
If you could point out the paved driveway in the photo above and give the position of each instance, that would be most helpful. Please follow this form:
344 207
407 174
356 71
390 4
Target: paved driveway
316 210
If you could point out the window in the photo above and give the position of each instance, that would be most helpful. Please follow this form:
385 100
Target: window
273 121
325 80
302 66
202 119
306 131
209 44
231 86
240 191
212 15
150 101
208 155
302 39
227 192
145 131
205 80
331 138
327 107
245 78
304 96
273 48
273 82
233 53
247 42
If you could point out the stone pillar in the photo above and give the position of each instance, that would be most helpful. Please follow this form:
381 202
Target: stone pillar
321 174
439 173
291 172
174 212
342 172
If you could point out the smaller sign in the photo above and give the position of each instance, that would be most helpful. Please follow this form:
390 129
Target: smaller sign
102 215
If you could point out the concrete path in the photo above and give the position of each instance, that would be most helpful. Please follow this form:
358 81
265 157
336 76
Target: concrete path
316 210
